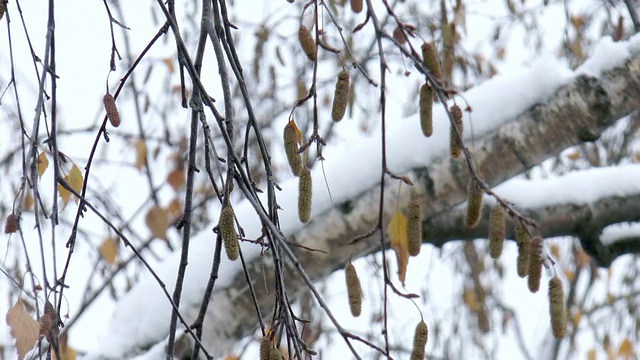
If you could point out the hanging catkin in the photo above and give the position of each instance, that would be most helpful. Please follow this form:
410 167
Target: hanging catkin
523 239
496 230
340 96
354 289
535 264
474 203
307 43
426 109
304 195
420 338
430 57
556 308
356 6
291 148
110 107
456 116
414 224
228 232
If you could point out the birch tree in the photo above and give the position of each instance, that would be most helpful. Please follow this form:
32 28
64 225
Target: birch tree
239 157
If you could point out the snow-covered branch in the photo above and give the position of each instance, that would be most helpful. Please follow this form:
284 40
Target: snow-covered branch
580 204
518 121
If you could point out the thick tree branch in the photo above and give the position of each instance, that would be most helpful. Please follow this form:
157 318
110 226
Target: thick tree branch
577 112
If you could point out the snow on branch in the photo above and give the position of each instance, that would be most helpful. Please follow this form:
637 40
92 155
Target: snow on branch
518 121
583 204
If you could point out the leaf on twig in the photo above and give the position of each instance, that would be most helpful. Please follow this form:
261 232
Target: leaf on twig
42 162
49 323
157 221
397 230
23 328
75 180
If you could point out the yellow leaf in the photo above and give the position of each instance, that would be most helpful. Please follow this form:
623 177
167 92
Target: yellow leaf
75 178
397 230
176 179
141 153
23 328
42 163
591 355
64 194
626 350
109 250
157 221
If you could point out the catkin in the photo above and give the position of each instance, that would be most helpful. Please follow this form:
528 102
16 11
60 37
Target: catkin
291 148
304 195
496 230
340 96
265 348
426 109
456 116
354 289
420 338
430 57
523 239
535 264
414 225
110 107
275 354
3 8
228 232
556 308
356 6
13 222
474 203
307 43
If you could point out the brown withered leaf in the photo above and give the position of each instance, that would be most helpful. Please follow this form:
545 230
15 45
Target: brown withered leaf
157 221
49 324
177 178
23 328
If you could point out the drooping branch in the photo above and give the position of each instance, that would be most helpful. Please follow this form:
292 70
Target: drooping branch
578 111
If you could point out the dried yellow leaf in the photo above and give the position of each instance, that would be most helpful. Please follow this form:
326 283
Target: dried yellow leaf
23 328
109 250
157 220
397 230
